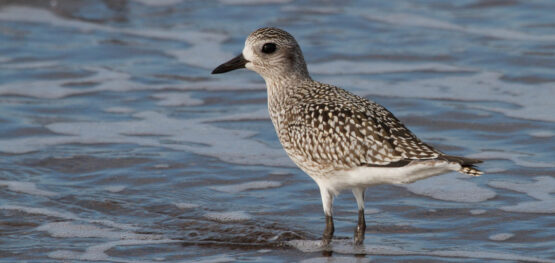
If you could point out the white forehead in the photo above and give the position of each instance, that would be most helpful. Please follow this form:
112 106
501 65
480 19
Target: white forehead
248 50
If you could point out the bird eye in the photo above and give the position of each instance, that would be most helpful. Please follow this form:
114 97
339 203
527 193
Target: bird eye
269 48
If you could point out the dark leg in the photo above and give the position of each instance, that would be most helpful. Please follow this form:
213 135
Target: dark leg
361 228
328 232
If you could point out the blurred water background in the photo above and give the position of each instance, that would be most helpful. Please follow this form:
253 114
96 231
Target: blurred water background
117 145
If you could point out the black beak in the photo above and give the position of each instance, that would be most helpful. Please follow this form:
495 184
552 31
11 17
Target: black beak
235 63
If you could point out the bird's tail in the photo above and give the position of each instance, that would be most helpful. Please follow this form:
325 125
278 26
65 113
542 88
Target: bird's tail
468 165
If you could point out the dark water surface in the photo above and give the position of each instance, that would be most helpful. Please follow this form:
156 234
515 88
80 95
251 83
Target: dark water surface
117 145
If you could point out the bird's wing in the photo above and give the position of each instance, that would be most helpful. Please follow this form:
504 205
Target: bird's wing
402 139
353 132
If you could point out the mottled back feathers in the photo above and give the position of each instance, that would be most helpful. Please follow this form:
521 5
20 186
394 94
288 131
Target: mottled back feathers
334 127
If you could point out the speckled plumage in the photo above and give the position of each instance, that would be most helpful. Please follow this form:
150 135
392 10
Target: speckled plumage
343 141
327 128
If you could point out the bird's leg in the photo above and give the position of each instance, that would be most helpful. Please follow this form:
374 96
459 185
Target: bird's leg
328 232
327 201
361 226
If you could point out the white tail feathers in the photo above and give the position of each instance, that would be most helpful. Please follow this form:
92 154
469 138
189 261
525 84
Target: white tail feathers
467 164
470 171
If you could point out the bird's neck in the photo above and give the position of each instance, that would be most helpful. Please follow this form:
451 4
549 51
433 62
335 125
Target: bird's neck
282 88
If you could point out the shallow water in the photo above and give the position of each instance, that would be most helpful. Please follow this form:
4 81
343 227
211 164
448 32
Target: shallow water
118 145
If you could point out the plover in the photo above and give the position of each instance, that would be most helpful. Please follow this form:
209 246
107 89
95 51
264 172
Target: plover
341 140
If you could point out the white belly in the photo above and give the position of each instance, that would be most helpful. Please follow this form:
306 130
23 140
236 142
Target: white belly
367 176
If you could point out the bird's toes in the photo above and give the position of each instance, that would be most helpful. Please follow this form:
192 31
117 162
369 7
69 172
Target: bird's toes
326 240
358 240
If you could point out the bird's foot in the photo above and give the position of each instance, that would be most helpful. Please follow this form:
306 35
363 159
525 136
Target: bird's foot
326 240
359 237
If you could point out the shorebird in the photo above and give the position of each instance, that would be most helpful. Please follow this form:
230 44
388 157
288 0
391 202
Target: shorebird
341 140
